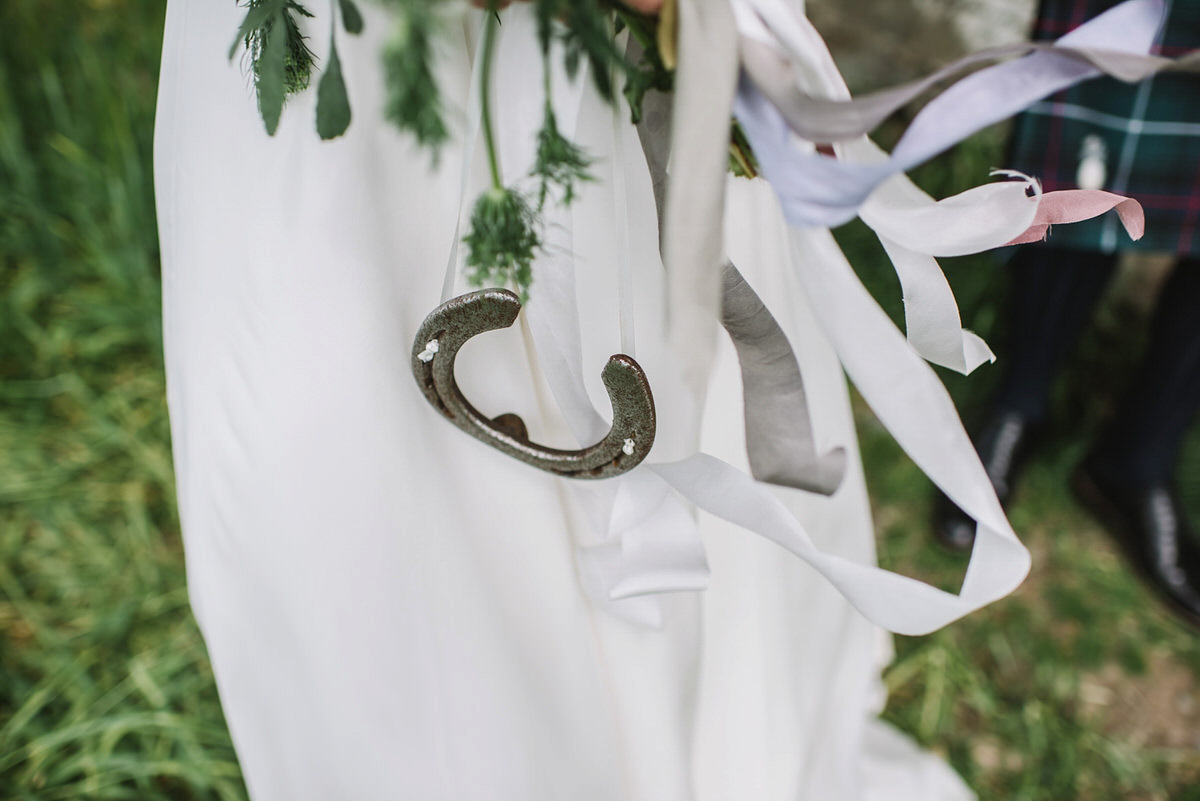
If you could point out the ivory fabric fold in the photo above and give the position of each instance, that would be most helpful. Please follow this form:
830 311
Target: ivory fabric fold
692 244
393 611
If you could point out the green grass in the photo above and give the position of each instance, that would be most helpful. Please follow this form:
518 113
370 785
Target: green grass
1069 690
105 688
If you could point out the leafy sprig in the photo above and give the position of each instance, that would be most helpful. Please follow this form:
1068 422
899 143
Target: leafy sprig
503 239
282 63
414 103
280 60
505 229
586 29
559 162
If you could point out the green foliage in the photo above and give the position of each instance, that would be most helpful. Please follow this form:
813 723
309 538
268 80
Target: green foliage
648 72
587 34
352 19
281 64
414 102
333 107
1075 687
333 103
560 162
742 162
502 241
585 29
271 77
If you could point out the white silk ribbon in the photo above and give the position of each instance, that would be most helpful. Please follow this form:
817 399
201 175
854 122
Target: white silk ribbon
693 251
791 65
820 190
897 603
634 537
901 388
642 540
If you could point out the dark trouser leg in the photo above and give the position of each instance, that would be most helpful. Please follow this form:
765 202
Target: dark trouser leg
1141 443
1052 294
1126 482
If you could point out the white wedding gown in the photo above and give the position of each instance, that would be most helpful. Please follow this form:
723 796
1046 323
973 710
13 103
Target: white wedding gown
395 611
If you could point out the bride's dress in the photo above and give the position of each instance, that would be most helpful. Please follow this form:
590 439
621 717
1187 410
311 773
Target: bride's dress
395 611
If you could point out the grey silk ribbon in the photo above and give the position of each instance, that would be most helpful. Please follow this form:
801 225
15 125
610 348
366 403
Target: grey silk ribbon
779 434
780 442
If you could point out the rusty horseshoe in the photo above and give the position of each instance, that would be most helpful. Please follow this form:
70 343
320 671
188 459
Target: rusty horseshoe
447 329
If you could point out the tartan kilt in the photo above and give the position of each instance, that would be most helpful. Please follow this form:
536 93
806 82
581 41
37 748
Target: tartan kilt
1147 136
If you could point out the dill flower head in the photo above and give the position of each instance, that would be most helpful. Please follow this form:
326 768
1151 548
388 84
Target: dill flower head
502 241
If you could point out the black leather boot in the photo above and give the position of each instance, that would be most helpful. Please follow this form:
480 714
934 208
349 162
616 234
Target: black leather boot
1152 529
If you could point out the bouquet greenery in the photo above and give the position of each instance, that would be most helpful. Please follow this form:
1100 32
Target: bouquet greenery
504 235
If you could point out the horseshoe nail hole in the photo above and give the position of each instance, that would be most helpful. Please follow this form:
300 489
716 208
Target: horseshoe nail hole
595 471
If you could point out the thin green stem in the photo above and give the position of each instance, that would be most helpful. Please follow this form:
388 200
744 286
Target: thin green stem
546 87
485 87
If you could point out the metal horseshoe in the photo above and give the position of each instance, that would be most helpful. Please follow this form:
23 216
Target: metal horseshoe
449 326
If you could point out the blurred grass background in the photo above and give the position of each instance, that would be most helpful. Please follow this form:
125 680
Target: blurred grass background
1078 687
105 689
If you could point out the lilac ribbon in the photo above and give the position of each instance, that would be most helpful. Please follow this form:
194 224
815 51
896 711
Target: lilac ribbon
818 190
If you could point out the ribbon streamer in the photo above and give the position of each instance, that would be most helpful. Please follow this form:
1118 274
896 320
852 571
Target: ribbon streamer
826 191
634 537
1073 205
825 120
899 386
705 81
911 226
780 443
643 539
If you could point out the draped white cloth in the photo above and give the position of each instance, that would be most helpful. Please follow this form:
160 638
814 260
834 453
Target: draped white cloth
395 611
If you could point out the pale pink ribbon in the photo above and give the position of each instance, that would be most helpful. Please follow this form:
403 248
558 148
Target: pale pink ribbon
1076 205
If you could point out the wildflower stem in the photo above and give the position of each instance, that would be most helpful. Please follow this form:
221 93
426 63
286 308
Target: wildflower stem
546 86
489 45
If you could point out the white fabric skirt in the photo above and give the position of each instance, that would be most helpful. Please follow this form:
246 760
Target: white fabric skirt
395 611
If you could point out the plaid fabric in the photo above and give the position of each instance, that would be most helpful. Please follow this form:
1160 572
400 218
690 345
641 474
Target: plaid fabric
1146 136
